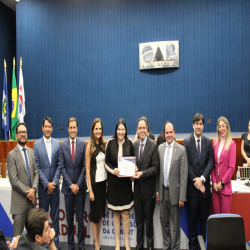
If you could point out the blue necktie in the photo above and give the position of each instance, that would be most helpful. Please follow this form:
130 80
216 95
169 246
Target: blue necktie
166 168
199 149
27 164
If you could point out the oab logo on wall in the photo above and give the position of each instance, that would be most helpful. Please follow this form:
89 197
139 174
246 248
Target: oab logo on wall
155 55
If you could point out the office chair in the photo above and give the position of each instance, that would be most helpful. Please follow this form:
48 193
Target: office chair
224 231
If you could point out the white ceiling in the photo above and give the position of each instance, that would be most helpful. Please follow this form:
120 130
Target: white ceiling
10 3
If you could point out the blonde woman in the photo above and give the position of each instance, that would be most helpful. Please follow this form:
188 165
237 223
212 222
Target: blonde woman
96 178
225 159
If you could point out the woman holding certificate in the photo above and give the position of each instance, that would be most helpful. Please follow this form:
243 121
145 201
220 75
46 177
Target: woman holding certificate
96 178
120 196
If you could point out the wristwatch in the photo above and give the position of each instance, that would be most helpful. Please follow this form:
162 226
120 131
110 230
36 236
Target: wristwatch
222 183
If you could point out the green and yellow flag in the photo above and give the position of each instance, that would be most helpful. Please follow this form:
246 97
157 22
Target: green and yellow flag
14 103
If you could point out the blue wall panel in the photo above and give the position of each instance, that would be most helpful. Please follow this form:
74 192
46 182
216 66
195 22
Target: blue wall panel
7 50
81 58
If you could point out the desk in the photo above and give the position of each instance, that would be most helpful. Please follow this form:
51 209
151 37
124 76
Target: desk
241 204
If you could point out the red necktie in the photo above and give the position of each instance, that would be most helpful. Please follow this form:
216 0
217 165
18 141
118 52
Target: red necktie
73 152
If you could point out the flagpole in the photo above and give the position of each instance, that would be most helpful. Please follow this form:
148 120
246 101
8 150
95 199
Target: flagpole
14 63
5 70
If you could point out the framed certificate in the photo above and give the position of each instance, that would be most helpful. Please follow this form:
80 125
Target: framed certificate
126 166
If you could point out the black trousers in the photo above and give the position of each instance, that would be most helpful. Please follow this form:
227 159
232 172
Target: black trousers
144 211
198 209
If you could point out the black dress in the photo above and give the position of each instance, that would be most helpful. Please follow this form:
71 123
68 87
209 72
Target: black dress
246 146
97 207
120 195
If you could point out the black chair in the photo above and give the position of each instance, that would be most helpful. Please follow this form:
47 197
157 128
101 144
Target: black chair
224 231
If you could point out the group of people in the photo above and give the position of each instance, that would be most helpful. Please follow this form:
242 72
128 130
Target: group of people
166 172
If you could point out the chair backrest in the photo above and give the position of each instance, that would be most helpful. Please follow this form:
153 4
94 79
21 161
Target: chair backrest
225 231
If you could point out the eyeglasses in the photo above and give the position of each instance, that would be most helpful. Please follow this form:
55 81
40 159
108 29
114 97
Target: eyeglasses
221 127
24 132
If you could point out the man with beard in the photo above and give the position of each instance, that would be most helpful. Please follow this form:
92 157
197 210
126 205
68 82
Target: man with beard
23 176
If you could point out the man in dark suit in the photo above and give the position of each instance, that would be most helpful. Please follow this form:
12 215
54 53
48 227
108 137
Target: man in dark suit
23 176
200 156
72 165
46 152
144 187
171 186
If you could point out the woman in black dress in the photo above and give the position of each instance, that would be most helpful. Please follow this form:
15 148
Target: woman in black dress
120 195
245 146
96 178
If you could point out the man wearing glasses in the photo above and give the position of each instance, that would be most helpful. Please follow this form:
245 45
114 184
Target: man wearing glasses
23 176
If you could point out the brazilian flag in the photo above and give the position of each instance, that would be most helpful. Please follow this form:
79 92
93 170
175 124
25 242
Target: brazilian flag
14 107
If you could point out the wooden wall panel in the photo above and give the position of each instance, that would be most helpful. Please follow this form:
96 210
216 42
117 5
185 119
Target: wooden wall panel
6 147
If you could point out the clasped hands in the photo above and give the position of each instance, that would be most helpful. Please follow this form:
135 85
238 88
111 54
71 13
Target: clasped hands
74 189
31 195
217 187
51 187
198 184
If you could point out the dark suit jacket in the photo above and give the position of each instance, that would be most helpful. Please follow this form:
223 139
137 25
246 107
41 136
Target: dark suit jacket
24 244
3 245
70 170
197 167
149 166
47 172
19 179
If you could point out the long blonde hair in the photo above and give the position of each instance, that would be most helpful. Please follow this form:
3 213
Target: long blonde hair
228 136
92 136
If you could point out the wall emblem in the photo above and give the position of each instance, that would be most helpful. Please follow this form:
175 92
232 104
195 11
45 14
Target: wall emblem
159 55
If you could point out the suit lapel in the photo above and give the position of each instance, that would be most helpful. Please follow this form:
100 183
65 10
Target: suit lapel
69 152
222 153
136 149
52 149
146 148
77 149
21 160
43 146
194 147
173 156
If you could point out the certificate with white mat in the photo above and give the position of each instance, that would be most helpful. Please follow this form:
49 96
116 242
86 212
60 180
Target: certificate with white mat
126 166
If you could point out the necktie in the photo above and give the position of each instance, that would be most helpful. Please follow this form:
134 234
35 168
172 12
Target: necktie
49 151
199 149
166 168
141 152
73 152
27 164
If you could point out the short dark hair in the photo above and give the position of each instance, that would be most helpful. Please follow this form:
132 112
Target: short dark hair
198 117
34 223
143 118
72 119
167 122
21 123
49 120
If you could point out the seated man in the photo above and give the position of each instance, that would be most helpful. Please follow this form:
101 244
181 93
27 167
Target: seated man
38 232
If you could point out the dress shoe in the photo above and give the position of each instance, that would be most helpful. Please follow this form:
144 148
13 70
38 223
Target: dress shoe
150 248
139 248
81 248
